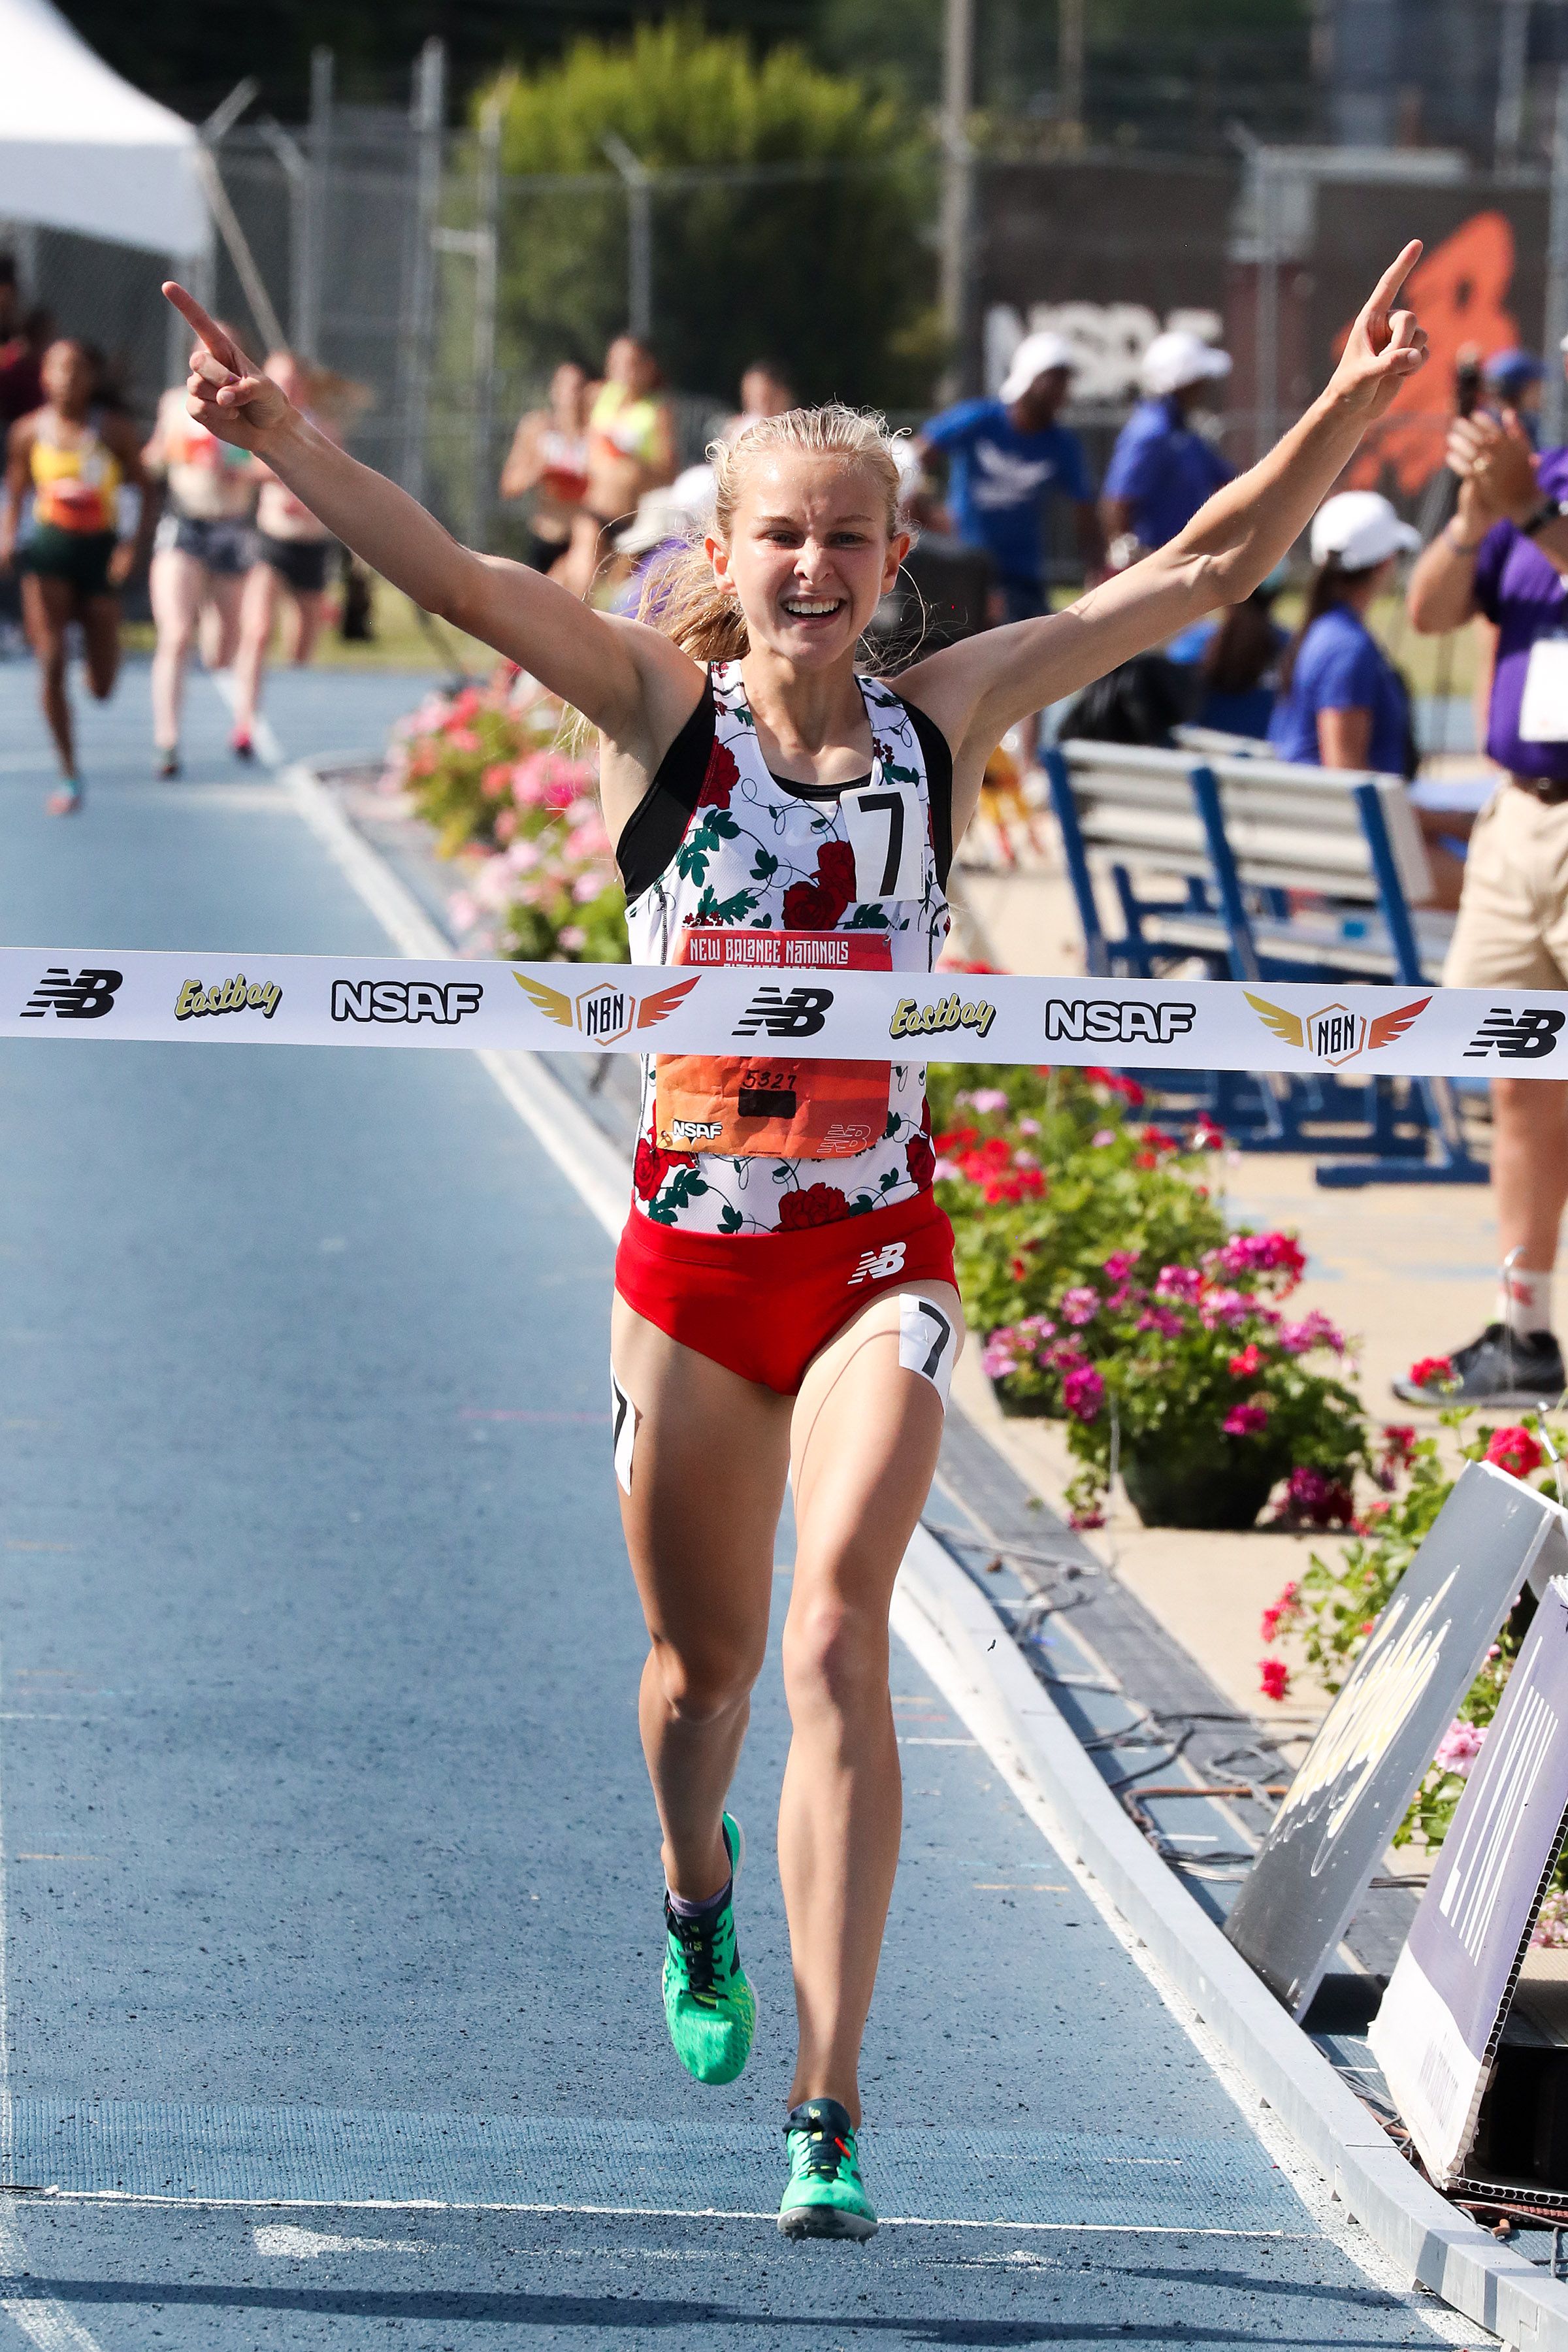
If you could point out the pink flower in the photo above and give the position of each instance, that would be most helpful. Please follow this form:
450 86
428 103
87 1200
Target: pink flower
1260 1253
461 911
1120 1265
1085 1520
988 1098
1515 1450
572 937
1249 1361
1082 1305
945 1168
1322 1501
1164 1319
1275 1677
1280 1614
1179 1282
997 1357
1314 1331
1029 1126
1083 1392
1459 1747
496 781
1104 1136
1246 1420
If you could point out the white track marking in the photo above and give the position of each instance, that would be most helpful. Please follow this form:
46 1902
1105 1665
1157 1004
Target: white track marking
286 2240
269 750
553 1118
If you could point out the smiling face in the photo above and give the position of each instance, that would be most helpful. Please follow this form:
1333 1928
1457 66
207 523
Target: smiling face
807 554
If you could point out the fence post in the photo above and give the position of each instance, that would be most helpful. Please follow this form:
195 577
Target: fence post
313 237
639 180
958 192
429 119
487 258
1552 404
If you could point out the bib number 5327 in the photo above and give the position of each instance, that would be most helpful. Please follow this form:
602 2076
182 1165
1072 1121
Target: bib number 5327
885 823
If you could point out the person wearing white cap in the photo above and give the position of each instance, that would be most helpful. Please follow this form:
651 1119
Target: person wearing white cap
1341 703
1162 469
1005 458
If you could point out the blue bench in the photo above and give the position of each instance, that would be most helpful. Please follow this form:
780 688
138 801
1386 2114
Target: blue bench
1258 870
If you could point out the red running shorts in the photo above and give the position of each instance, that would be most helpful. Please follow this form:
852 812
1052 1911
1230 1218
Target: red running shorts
763 1305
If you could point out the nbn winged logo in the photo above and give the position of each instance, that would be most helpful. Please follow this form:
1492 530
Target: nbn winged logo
606 1013
1334 1034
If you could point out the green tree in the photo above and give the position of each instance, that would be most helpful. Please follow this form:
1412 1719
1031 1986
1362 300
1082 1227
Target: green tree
830 274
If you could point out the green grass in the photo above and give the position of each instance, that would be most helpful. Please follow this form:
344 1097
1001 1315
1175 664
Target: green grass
400 641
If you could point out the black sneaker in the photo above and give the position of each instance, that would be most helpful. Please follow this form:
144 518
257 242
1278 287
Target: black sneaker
165 764
1498 1368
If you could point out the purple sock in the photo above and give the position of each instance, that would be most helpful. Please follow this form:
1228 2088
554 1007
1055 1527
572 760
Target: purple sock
708 1909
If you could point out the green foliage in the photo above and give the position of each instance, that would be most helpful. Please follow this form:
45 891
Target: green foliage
827 273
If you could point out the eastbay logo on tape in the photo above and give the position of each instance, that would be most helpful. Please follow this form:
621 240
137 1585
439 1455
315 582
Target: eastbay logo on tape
195 999
913 1019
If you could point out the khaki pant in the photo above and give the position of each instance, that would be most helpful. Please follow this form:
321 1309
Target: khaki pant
1512 925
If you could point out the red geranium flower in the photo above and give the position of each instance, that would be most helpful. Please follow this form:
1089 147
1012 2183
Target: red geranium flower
922 1161
1428 1371
1275 1677
721 780
1515 1450
1249 1361
815 1204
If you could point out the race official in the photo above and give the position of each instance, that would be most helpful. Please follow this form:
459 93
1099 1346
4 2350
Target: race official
1006 457
1504 555
1163 469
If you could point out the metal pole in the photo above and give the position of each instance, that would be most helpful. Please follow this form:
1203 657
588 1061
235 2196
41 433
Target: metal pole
1267 303
638 181
487 254
958 190
1552 405
1513 41
313 273
429 117
1070 38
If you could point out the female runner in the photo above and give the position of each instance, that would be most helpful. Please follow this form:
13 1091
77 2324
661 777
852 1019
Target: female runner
785 1306
200 556
73 457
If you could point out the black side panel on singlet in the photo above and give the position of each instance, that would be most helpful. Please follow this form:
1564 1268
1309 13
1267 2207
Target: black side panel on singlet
938 755
656 827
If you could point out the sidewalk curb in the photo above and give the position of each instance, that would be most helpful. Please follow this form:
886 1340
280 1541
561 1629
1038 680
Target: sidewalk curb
969 1652
960 1640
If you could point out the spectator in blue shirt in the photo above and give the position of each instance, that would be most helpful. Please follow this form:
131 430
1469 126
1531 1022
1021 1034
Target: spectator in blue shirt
1005 456
1341 703
1162 470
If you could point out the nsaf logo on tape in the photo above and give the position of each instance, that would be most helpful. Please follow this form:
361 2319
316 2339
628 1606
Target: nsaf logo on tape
1116 1021
606 1013
1334 1034
88 997
405 999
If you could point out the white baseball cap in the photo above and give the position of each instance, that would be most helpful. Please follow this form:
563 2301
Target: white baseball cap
1036 356
1178 358
1361 528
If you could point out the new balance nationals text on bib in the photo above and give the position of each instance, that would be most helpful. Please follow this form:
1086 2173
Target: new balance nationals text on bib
763 1007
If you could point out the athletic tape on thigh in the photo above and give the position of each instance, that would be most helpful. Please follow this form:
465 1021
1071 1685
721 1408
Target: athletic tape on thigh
623 1431
829 1012
928 1340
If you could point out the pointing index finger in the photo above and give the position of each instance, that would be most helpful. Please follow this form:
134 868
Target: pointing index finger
221 345
1395 276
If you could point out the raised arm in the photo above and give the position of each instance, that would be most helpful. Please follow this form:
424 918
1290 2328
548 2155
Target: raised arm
631 682
978 688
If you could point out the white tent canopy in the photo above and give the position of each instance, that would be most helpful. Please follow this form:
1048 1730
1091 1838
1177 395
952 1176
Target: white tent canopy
79 149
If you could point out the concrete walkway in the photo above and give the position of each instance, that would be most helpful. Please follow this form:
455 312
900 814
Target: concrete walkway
329 1889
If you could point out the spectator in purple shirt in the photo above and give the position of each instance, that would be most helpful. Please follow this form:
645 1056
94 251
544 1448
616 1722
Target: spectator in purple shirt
1504 555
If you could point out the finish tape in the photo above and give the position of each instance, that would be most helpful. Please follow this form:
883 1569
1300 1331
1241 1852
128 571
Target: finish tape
820 1012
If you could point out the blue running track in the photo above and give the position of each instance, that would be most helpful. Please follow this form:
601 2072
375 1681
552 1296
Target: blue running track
331 1897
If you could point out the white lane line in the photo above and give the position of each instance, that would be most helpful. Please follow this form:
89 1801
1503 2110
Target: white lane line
287 2240
589 1161
269 750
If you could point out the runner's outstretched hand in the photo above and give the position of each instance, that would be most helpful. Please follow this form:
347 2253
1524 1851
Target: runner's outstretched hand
1383 348
226 393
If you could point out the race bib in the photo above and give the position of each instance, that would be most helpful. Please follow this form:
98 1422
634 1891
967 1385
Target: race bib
775 1103
886 826
1543 710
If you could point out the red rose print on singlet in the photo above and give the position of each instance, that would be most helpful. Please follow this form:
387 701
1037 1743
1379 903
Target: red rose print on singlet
817 905
721 780
814 1205
922 1161
651 1166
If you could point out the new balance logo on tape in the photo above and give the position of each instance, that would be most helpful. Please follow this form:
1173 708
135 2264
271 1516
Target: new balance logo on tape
405 999
801 1013
88 997
1517 1036
876 1265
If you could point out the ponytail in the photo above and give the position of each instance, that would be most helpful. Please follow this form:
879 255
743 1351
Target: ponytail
1331 587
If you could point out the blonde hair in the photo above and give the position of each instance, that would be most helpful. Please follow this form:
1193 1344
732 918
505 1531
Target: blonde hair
680 596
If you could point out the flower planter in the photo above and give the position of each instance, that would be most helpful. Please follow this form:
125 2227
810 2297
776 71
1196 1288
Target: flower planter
1023 1404
1202 1490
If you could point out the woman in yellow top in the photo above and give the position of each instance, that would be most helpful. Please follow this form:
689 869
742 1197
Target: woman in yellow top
631 448
73 459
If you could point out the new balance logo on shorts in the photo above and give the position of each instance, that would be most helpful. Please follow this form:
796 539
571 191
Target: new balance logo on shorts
1518 1036
88 997
876 1265
801 1013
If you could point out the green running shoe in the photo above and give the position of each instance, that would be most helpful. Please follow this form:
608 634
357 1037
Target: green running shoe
710 2008
825 2197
